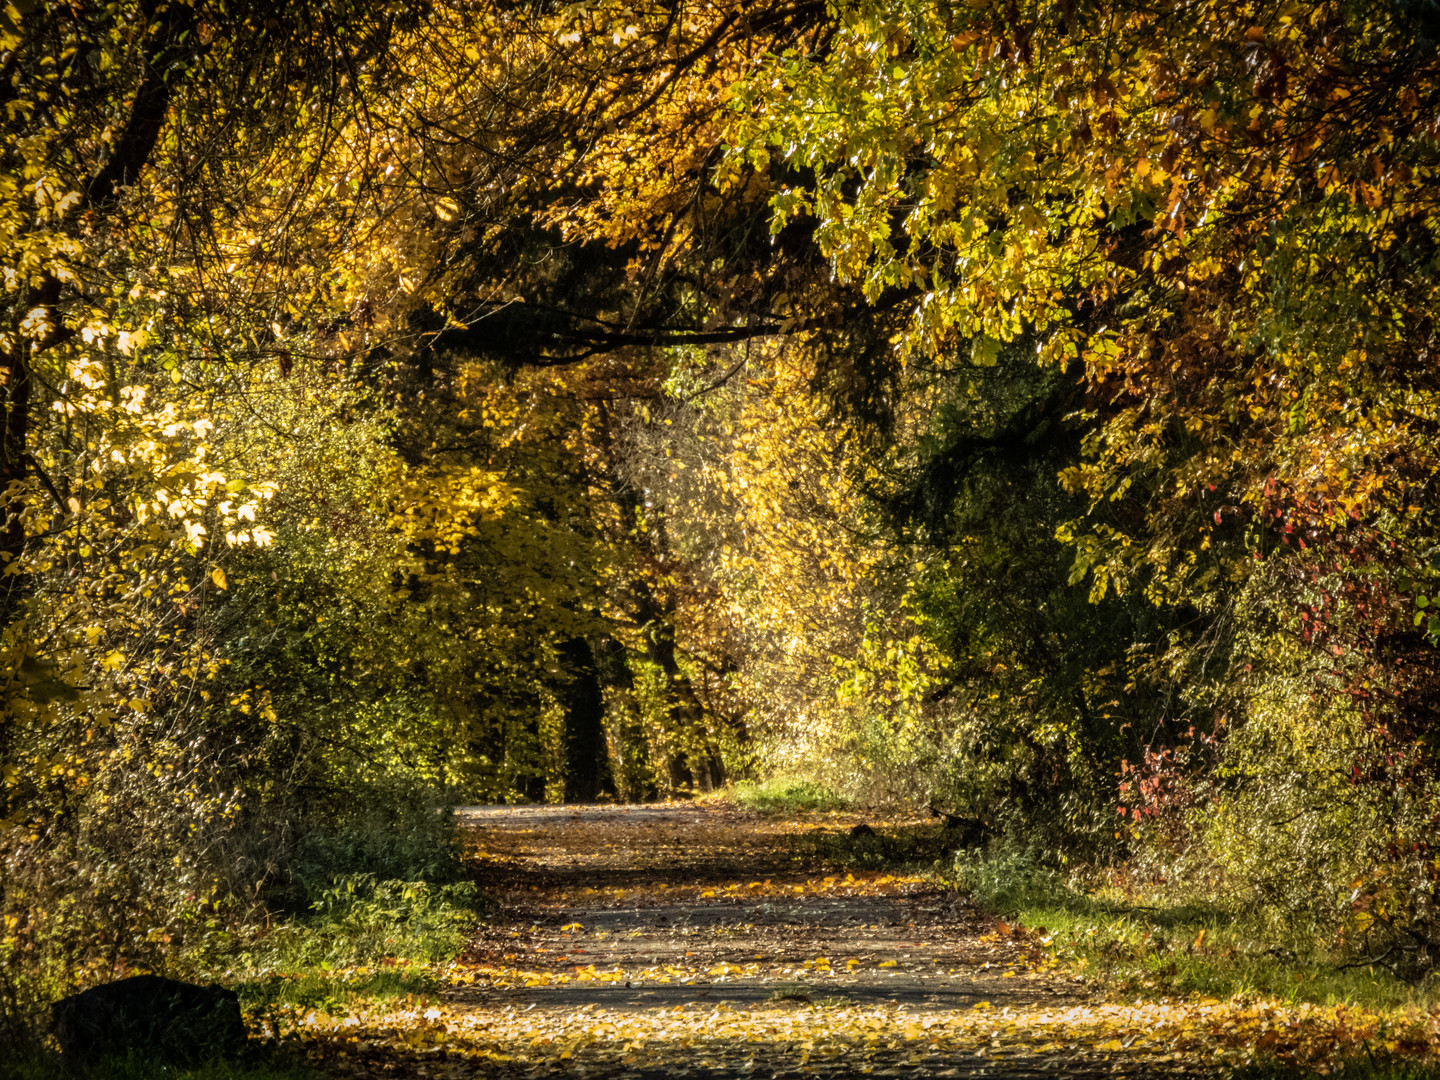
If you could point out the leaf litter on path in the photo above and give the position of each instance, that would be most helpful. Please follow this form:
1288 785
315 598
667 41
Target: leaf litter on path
690 940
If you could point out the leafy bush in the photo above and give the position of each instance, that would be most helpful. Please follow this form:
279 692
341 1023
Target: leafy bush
393 839
1320 827
360 919
1009 881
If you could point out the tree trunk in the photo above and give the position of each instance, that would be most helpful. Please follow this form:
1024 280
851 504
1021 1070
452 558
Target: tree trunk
587 757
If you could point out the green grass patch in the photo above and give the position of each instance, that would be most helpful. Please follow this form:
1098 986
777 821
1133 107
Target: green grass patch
360 921
781 796
334 992
1152 946
366 941
274 1004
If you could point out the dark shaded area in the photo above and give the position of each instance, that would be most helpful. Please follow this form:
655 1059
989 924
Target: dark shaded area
587 758
159 1018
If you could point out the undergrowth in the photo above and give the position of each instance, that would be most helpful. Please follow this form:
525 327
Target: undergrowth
1147 942
362 938
334 992
397 837
358 920
782 796
1151 943
367 908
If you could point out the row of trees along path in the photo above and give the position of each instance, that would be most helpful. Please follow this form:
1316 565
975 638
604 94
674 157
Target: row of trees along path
699 940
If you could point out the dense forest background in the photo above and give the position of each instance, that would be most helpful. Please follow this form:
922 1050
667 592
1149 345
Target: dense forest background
1027 409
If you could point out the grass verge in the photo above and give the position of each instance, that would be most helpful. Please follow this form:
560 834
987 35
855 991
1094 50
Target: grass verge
1153 946
334 992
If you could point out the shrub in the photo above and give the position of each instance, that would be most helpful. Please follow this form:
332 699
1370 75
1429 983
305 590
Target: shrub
394 838
360 919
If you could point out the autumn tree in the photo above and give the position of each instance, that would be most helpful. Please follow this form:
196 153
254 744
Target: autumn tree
1219 219
153 254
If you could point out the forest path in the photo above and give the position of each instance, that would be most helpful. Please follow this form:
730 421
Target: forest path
700 940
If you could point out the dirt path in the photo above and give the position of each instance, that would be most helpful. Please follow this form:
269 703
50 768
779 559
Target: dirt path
708 905
701 941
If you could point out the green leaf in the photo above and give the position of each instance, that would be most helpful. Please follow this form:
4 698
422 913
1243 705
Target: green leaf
984 350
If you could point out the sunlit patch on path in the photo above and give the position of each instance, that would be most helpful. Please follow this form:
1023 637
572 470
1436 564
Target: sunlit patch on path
691 940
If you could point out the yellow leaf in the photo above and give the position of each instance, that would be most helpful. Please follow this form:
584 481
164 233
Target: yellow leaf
218 577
